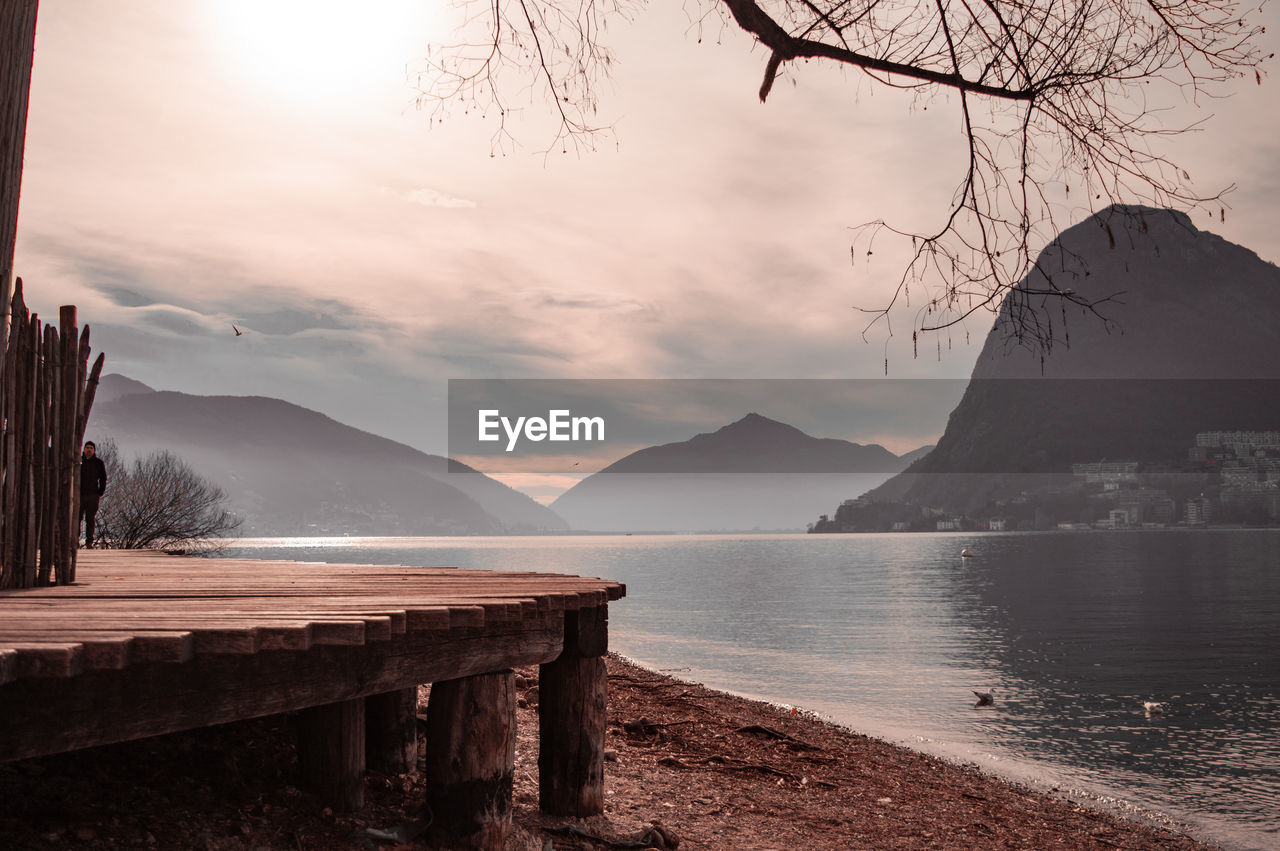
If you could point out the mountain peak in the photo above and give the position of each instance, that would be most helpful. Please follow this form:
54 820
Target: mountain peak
754 423
1187 345
1140 212
755 472
757 444
1172 301
114 385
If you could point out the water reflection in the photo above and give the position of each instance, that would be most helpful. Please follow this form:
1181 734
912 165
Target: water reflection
1084 628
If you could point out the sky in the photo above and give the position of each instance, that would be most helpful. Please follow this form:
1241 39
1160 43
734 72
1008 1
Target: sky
194 165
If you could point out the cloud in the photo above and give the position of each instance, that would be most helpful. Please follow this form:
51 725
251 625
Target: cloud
597 301
306 315
176 320
436 198
126 297
167 201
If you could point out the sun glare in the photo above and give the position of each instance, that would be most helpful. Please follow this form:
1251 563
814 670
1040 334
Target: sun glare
318 52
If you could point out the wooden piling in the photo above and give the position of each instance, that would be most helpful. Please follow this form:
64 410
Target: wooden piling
391 730
470 766
331 756
572 698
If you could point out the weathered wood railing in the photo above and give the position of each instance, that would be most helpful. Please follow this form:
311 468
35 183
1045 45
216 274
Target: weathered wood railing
46 393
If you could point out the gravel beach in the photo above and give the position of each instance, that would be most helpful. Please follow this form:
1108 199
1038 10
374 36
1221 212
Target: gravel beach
686 767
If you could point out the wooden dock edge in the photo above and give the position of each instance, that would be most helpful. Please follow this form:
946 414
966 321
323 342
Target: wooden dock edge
355 694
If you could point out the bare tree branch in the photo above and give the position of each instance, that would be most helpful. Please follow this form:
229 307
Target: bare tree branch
159 502
1065 86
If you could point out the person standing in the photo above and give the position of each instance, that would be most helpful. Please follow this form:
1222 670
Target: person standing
93 483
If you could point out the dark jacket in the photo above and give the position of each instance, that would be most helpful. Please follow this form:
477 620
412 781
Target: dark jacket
93 476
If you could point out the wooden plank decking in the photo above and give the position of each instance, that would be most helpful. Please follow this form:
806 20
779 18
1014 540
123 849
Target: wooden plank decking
146 643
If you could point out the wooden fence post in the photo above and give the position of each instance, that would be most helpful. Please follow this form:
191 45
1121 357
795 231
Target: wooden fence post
68 502
28 437
17 51
46 499
13 513
46 394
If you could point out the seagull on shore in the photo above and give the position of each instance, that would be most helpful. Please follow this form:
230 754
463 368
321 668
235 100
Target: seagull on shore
984 698
1153 708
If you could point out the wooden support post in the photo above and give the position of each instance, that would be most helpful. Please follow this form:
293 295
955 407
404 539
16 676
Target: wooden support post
331 753
471 759
391 728
572 699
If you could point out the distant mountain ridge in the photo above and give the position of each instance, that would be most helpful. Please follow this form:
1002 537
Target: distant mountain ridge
288 470
755 473
1192 344
757 444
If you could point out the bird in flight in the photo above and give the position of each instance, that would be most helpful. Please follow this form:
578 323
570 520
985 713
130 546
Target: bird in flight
237 330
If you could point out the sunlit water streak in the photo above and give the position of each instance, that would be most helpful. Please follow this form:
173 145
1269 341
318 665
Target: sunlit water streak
889 634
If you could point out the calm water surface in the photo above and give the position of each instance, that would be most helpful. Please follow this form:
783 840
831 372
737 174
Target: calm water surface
889 634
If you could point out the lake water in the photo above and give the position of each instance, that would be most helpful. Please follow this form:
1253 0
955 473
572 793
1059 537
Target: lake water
888 634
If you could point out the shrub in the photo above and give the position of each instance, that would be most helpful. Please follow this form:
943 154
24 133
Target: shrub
160 502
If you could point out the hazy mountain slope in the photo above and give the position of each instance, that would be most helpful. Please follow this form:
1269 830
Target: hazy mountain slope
290 470
915 455
1193 344
756 444
111 387
754 473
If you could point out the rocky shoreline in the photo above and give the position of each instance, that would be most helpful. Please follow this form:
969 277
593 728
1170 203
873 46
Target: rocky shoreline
722 771
687 767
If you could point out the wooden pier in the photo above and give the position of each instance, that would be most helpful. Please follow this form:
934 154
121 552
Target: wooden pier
145 643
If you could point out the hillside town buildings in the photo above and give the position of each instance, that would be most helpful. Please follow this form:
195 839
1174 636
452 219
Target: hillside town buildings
1226 477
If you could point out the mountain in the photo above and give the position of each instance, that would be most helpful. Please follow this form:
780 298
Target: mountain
288 470
755 473
915 455
1189 345
112 387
